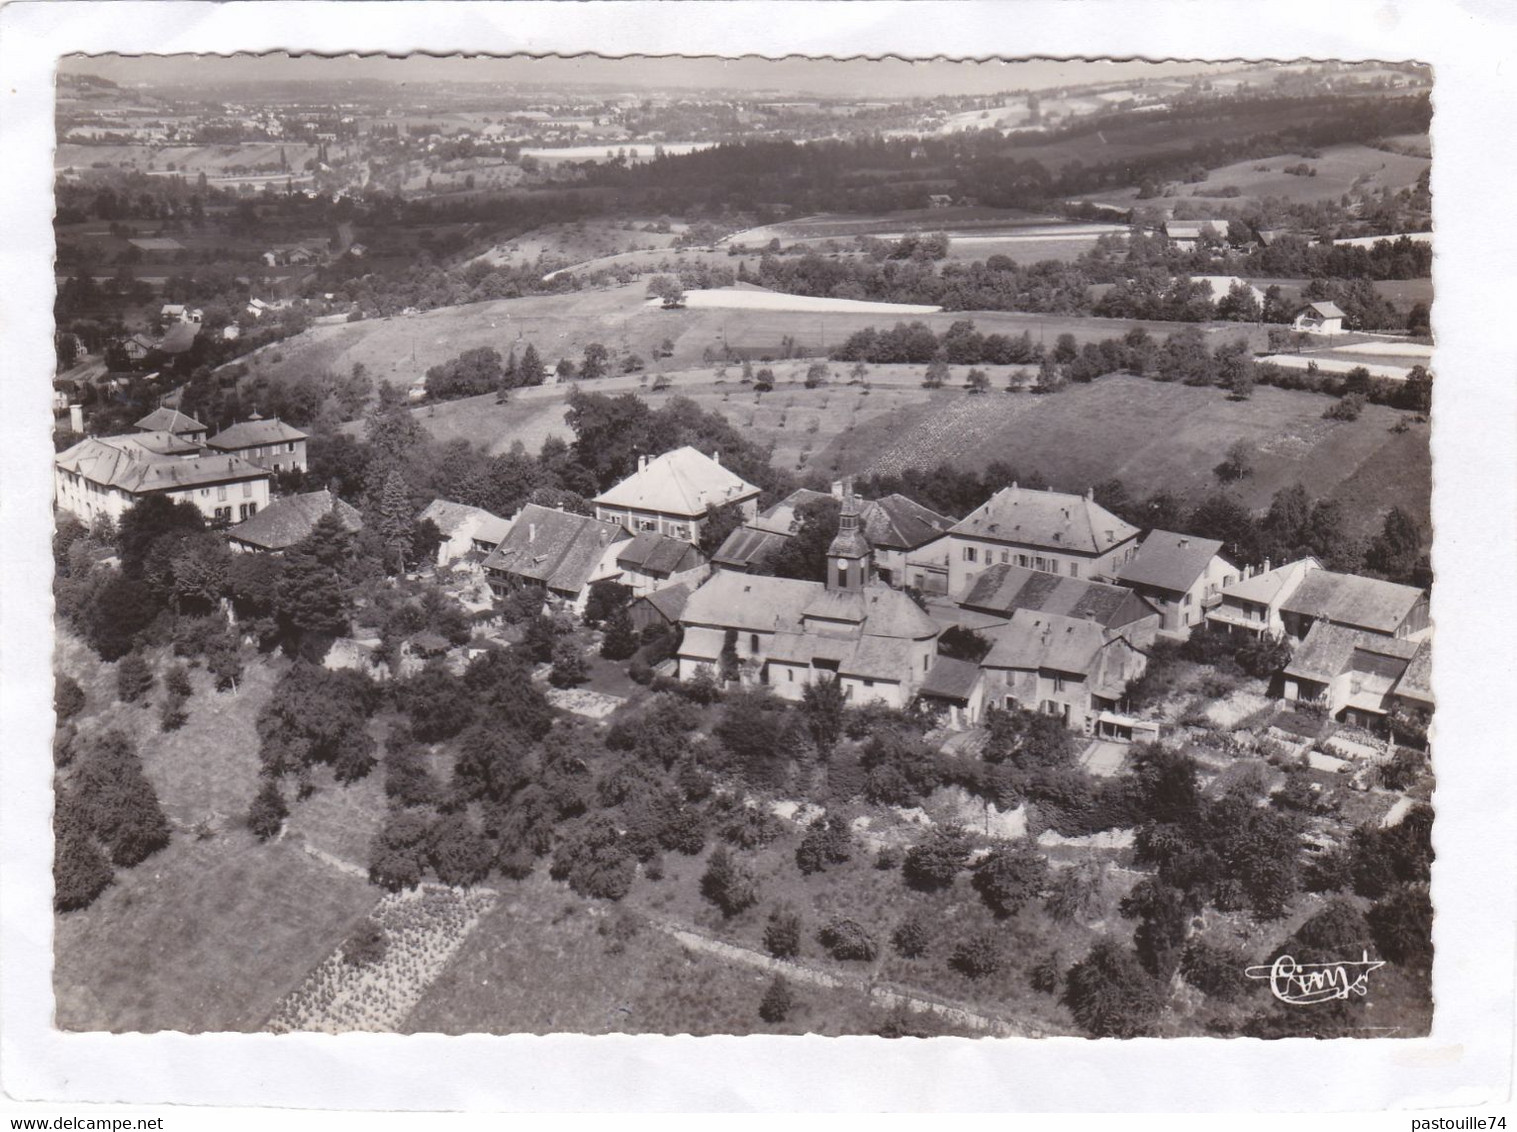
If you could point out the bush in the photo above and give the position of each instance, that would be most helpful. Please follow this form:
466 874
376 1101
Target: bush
935 861
267 813
828 841
782 934
1214 970
177 681
117 803
80 870
68 697
980 955
751 828
171 713
1109 993
596 861
777 1002
367 945
133 678
846 939
1010 875
912 937
1402 924
1346 408
727 883
569 667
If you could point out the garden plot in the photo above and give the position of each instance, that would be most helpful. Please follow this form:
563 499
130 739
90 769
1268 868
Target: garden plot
583 701
424 929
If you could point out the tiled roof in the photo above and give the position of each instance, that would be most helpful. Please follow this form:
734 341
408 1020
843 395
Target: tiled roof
557 548
123 462
683 482
1046 519
670 601
451 517
781 518
169 420
251 433
747 546
1264 588
1348 599
1003 589
951 679
161 443
654 553
286 521
1328 650
898 523
876 658
1323 309
1170 561
750 602
1417 681
1032 640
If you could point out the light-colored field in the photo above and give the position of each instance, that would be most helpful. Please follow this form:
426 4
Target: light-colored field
1371 241
636 151
576 243
1419 350
728 299
1339 169
1328 364
212 160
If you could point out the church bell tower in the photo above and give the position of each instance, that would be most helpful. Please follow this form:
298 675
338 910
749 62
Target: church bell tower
850 558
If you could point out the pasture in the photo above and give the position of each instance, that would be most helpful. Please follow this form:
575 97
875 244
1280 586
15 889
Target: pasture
212 160
579 242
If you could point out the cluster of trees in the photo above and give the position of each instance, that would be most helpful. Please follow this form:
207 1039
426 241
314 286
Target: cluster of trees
481 370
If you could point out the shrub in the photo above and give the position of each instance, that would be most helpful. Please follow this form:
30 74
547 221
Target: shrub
751 828
727 883
68 697
846 939
1347 408
596 861
177 681
171 713
1109 993
935 861
782 934
1216 971
828 841
912 937
980 955
777 1002
1010 875
80 870
367 945
569 666
133 678
267 813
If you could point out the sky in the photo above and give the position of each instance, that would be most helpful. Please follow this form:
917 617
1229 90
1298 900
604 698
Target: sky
888 78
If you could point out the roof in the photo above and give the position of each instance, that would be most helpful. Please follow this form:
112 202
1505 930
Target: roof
1348 599
1328 650
558 548
951 679
169 420
122 462
654 553
179 337
1417 681
450 518
670 601
747 545
781 518
1192 229
1322 309
286 521
898 523
1032 640
876 658
1170 561
751 602
1051 520
162 443
253 432
683 482
1264 588
1002 589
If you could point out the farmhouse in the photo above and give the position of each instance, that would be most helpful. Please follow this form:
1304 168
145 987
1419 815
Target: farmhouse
1349 601
270 443
910 542
1039 530
1180 575
1359 676
1187 235
957 687
999 592
175 422
1318 318
650 561
1067 667
673 493
786 633
106 475
1251 605
289 520
560 552
464 529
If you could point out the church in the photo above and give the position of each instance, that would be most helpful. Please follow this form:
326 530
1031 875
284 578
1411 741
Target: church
784 633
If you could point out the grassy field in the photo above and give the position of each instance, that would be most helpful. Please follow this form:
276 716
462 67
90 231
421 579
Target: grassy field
212 160
204 936
1155 435
574 243
1339 169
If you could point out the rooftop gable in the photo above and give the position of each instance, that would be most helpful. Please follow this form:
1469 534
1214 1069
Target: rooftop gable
1033 640
1352 600
1048 520
557 548
895 522
287 521
1170 561
683 482
254 432
169 420
1003 589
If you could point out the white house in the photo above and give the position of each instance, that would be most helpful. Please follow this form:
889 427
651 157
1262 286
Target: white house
464 529
1180 575
674 493
107 475
1318 318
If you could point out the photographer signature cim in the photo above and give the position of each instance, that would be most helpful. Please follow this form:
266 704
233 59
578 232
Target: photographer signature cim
1302 984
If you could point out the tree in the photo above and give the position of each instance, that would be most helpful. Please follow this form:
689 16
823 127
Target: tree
530 370
314 599
828 841
267 813
935 861
117 801
621 640
720 522
397 855
1012 874
1238 463
777 1001
1394 551
80 870
804 554
457 851
782 934
936 375
1346 408
982 954
134 677
68 697
149 520
817 374
1109 993
1402 924
727 883
823 704
977 381
593 364
569 668
912 937
667 288
605 600
846 939
394 522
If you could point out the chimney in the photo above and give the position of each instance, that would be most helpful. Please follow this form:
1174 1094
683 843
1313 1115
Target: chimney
531 532
717 456
1090 494
642 463
1265 568
76 418
1184 542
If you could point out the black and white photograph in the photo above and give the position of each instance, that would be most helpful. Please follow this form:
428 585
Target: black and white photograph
713 545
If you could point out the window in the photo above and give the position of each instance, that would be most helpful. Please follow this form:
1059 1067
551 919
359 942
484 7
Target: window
1074 569
247 489
291 447
222 515
1005 557
246 509
1187 599
969 554
790 675
1058 683
753 643
926 663
869 683
1022 561
221 493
